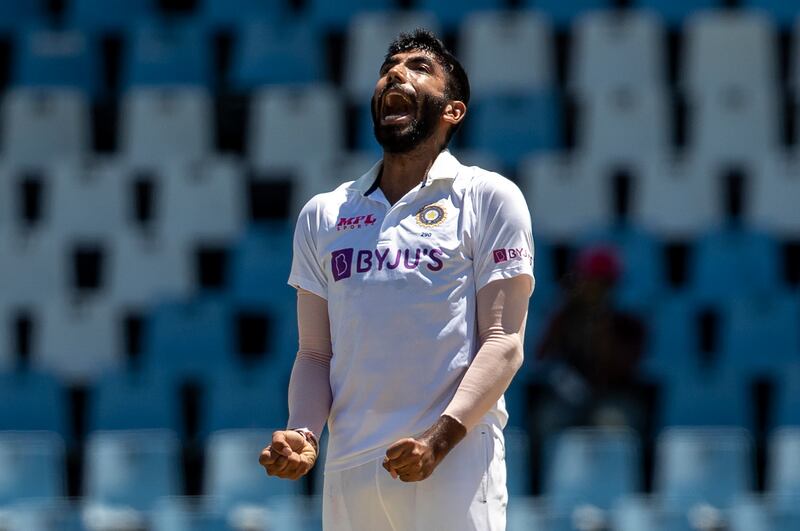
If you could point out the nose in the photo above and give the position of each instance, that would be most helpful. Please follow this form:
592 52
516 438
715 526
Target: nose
396 74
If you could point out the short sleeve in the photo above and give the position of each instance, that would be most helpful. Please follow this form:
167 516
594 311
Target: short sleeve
503 243
307 271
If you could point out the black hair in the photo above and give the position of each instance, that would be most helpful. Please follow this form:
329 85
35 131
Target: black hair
457 85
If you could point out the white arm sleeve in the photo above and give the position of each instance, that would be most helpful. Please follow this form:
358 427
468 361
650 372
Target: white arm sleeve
502 308
310 394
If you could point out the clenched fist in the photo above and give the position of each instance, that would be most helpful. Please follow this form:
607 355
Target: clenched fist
289 456
414 459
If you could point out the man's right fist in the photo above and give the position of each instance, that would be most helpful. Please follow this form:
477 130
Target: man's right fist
289 456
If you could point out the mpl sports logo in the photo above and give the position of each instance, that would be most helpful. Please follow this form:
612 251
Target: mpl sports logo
342 260
505 255
355 222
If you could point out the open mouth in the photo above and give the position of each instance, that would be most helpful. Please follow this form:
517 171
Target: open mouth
397 107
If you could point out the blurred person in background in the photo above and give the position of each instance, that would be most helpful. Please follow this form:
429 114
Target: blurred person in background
590 352
413 285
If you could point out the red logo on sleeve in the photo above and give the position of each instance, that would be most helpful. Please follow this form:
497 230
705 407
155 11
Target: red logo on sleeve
500 255
504 255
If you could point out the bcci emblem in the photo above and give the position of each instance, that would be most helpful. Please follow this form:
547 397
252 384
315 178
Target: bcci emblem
431 216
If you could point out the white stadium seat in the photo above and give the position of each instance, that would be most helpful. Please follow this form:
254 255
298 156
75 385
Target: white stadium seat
291 125
201 202
142 270
772 197
166 124
734 126
87 202
625 125
32 268
319 176
7 335
368 37
564 198
523 39
613 49
677 199
42 127
729 48
77 341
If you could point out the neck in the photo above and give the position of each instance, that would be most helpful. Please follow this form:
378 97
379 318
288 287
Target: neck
403 171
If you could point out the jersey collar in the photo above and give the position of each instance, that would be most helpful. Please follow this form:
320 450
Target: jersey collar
446 166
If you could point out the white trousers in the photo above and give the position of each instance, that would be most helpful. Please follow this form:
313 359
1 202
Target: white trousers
466 492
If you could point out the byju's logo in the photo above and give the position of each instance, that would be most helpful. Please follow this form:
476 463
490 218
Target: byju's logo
500 256
342 264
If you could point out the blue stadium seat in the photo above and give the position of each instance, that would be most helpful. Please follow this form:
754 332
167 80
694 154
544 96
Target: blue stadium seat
269 51
167 54
783 11
564 11
191 340
49 58
515 125
592 467
526 514
643 274
227 14
710 466
131 469
229 399
31 466
133 401
15 14
672 339
450 18
32 402
706 398
230 477
365 132
43 515
336 15
634 513
787 406
102 16
760 336
179 514
675 11
731 263
783 472
261 263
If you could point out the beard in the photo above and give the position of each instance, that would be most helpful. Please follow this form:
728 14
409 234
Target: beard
402 138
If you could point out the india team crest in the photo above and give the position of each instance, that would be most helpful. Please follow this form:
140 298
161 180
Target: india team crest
431 216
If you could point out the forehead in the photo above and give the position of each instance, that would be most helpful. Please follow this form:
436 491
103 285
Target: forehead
413 55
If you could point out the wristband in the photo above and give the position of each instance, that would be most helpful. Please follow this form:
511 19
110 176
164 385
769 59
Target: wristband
309 436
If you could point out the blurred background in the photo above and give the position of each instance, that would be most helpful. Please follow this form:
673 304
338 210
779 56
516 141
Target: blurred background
154 154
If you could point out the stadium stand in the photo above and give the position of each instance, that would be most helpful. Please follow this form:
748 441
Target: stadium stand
135 392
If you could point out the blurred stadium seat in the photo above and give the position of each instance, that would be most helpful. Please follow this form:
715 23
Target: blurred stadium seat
127 472
592 467
286 122
232 480
617 50
696 466
104 16
783 473
524 39
634 513
31 466
36 402
166 125
706 398
271 52
770 197
335 17
33 269
45 126
167 53
453 18
133 401
229 14
57 59
78 342
787 403
676 11
14 14
563 12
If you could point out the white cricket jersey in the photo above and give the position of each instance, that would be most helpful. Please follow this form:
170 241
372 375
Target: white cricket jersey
401 283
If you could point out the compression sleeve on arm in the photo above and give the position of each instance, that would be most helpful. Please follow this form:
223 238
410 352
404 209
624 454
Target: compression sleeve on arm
502 308
309 385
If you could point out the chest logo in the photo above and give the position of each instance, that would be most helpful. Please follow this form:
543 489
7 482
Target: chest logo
431 216
355 222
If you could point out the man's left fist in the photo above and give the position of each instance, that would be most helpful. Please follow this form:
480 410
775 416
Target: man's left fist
414 459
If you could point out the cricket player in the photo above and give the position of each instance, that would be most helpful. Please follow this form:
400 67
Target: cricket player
413 284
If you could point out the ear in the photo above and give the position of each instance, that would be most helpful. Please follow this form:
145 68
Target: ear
454 112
